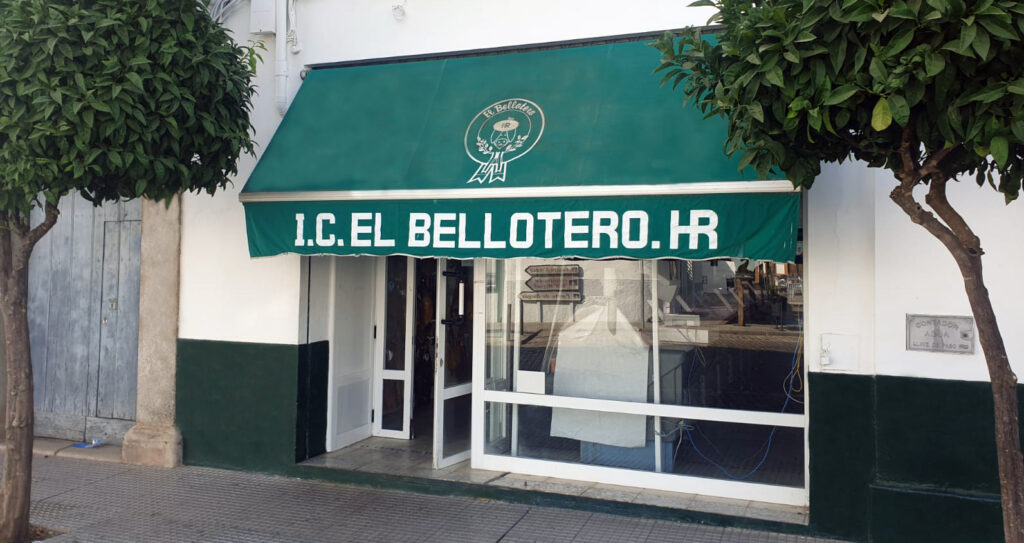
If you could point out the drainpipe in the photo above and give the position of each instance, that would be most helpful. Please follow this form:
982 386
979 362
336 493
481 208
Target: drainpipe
281 55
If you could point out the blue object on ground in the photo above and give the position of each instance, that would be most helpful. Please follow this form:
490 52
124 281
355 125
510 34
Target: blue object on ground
92 444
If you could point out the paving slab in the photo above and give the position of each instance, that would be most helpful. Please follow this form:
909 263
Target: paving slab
101 502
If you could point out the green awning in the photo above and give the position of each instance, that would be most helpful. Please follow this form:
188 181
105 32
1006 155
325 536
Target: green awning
555 152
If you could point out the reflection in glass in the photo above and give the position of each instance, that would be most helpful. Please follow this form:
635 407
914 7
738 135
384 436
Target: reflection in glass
723 334
574 328
458 322
395 294
393 405
730 334
727 333
497 428
457 416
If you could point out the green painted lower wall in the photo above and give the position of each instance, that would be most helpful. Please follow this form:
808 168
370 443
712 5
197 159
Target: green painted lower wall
903 459
236 404
842 451
891 458
311 401
902 514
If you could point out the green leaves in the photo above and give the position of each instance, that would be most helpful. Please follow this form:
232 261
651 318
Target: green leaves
1000 149
967 35
933 63
803 82
881 116
136 80
109 93
899 109
840 95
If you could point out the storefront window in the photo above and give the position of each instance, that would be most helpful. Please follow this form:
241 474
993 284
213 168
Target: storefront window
607 362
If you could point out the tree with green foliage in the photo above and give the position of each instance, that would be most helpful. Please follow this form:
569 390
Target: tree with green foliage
930 90
111 100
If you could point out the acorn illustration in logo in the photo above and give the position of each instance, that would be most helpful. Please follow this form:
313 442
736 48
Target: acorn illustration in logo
501 133
504 132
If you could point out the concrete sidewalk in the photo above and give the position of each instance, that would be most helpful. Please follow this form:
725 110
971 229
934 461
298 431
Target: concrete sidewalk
110 502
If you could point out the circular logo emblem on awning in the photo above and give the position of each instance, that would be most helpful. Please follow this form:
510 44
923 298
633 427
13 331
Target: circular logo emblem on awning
501 133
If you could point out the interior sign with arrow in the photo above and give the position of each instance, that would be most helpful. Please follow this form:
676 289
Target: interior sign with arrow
553 283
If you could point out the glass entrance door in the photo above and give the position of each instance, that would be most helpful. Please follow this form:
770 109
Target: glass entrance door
453 370
393 364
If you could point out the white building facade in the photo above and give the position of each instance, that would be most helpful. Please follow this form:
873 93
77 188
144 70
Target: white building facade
283 358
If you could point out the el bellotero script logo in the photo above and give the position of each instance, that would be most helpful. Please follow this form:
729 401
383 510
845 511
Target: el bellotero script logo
501 133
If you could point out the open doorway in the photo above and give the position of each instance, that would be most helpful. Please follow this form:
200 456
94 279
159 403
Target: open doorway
419 403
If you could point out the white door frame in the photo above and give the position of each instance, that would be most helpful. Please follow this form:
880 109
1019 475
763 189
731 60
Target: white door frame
379 373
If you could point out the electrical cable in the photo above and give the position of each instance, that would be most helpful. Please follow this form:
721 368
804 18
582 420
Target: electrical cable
771 436
796 374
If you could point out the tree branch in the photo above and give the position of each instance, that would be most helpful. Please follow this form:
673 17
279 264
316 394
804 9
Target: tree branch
903 195
936 198
931 166
909 163
31 237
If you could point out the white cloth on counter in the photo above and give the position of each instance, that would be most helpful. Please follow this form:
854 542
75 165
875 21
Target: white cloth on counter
601 356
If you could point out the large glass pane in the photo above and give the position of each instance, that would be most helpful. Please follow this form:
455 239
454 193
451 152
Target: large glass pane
498 428
458 322
395 294
457 416
498 335
730 334
771 455
729 331
571 328
696 448
393 405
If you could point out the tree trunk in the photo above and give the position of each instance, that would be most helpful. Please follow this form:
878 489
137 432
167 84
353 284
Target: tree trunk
15 491
1004 398
965 247
16 243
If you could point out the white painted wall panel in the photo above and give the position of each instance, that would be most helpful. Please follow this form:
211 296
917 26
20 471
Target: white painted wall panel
915 274
225 295
839 269
356 29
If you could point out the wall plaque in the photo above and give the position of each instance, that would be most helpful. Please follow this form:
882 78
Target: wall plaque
940 333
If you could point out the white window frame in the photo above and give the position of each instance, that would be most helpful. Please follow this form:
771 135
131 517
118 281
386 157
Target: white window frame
725 488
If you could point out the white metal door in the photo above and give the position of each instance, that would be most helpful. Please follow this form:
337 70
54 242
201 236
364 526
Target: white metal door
396 295
453 371
351 372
